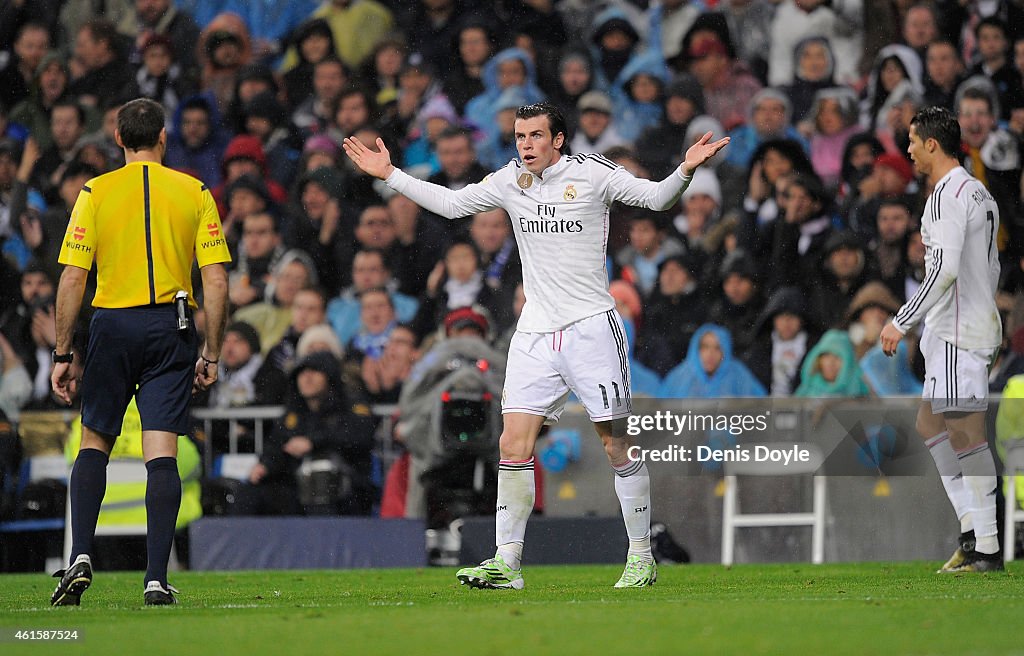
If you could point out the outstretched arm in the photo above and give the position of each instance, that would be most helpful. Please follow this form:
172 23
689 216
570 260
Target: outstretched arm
439 200
701 152
376 163
660 196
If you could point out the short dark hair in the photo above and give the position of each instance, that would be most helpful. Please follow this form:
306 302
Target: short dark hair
103 30
992 21
555 119
139 123
275 218
456 131
976 92
331 60
940 124
811 184
73 104
76 169
374 251
35 25
894 202
353 89
468 243
377 290
319 291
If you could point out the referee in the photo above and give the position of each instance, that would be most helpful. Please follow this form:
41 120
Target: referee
143 226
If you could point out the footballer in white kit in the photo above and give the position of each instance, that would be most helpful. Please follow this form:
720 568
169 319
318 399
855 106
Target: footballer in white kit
962 330
569 336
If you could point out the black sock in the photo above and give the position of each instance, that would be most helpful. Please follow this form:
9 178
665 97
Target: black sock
87 486
163 497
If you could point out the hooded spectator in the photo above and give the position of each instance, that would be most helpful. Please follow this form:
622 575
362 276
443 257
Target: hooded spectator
813 67
741 302
782 339
831 369
223 49
510 68
49 86
893 64
575 78
710 370
770 117
638 94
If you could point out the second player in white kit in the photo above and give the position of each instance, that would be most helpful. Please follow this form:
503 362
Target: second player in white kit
569 336
962 330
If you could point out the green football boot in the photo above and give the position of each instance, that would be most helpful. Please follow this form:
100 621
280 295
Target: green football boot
638 573
492 573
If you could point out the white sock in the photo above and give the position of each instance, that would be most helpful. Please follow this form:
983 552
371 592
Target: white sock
516 494
633 487
952 478
980 480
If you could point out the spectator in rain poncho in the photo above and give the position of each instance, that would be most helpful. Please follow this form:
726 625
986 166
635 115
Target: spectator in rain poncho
637 94
813 66
768 117
509 68
893 64
831 369
834 119
711 370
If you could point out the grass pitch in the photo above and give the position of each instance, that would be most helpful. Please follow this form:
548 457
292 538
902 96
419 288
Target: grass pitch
869 608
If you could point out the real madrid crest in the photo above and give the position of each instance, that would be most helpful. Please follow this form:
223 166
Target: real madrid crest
525 180
569 193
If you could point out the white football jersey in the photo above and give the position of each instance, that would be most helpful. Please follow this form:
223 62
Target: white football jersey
561 225
957 298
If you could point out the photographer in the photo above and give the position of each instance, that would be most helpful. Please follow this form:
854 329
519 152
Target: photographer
449 422
321 423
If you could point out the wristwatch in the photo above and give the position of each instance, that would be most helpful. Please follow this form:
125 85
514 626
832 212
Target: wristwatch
58 358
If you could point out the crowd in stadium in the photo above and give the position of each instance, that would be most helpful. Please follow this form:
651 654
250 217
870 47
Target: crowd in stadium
774 275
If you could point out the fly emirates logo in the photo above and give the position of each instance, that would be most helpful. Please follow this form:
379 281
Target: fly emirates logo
547 222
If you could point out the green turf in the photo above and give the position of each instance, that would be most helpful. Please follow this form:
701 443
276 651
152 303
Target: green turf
873 608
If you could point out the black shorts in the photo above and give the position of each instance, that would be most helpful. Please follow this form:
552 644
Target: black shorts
138 352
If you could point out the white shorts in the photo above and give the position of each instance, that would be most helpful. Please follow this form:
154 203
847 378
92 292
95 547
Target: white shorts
955 379
589 357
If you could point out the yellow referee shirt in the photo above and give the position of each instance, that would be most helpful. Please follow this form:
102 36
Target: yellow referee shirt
143 224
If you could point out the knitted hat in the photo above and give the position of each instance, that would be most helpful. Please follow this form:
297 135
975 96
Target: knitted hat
704 182
322 334
897 163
